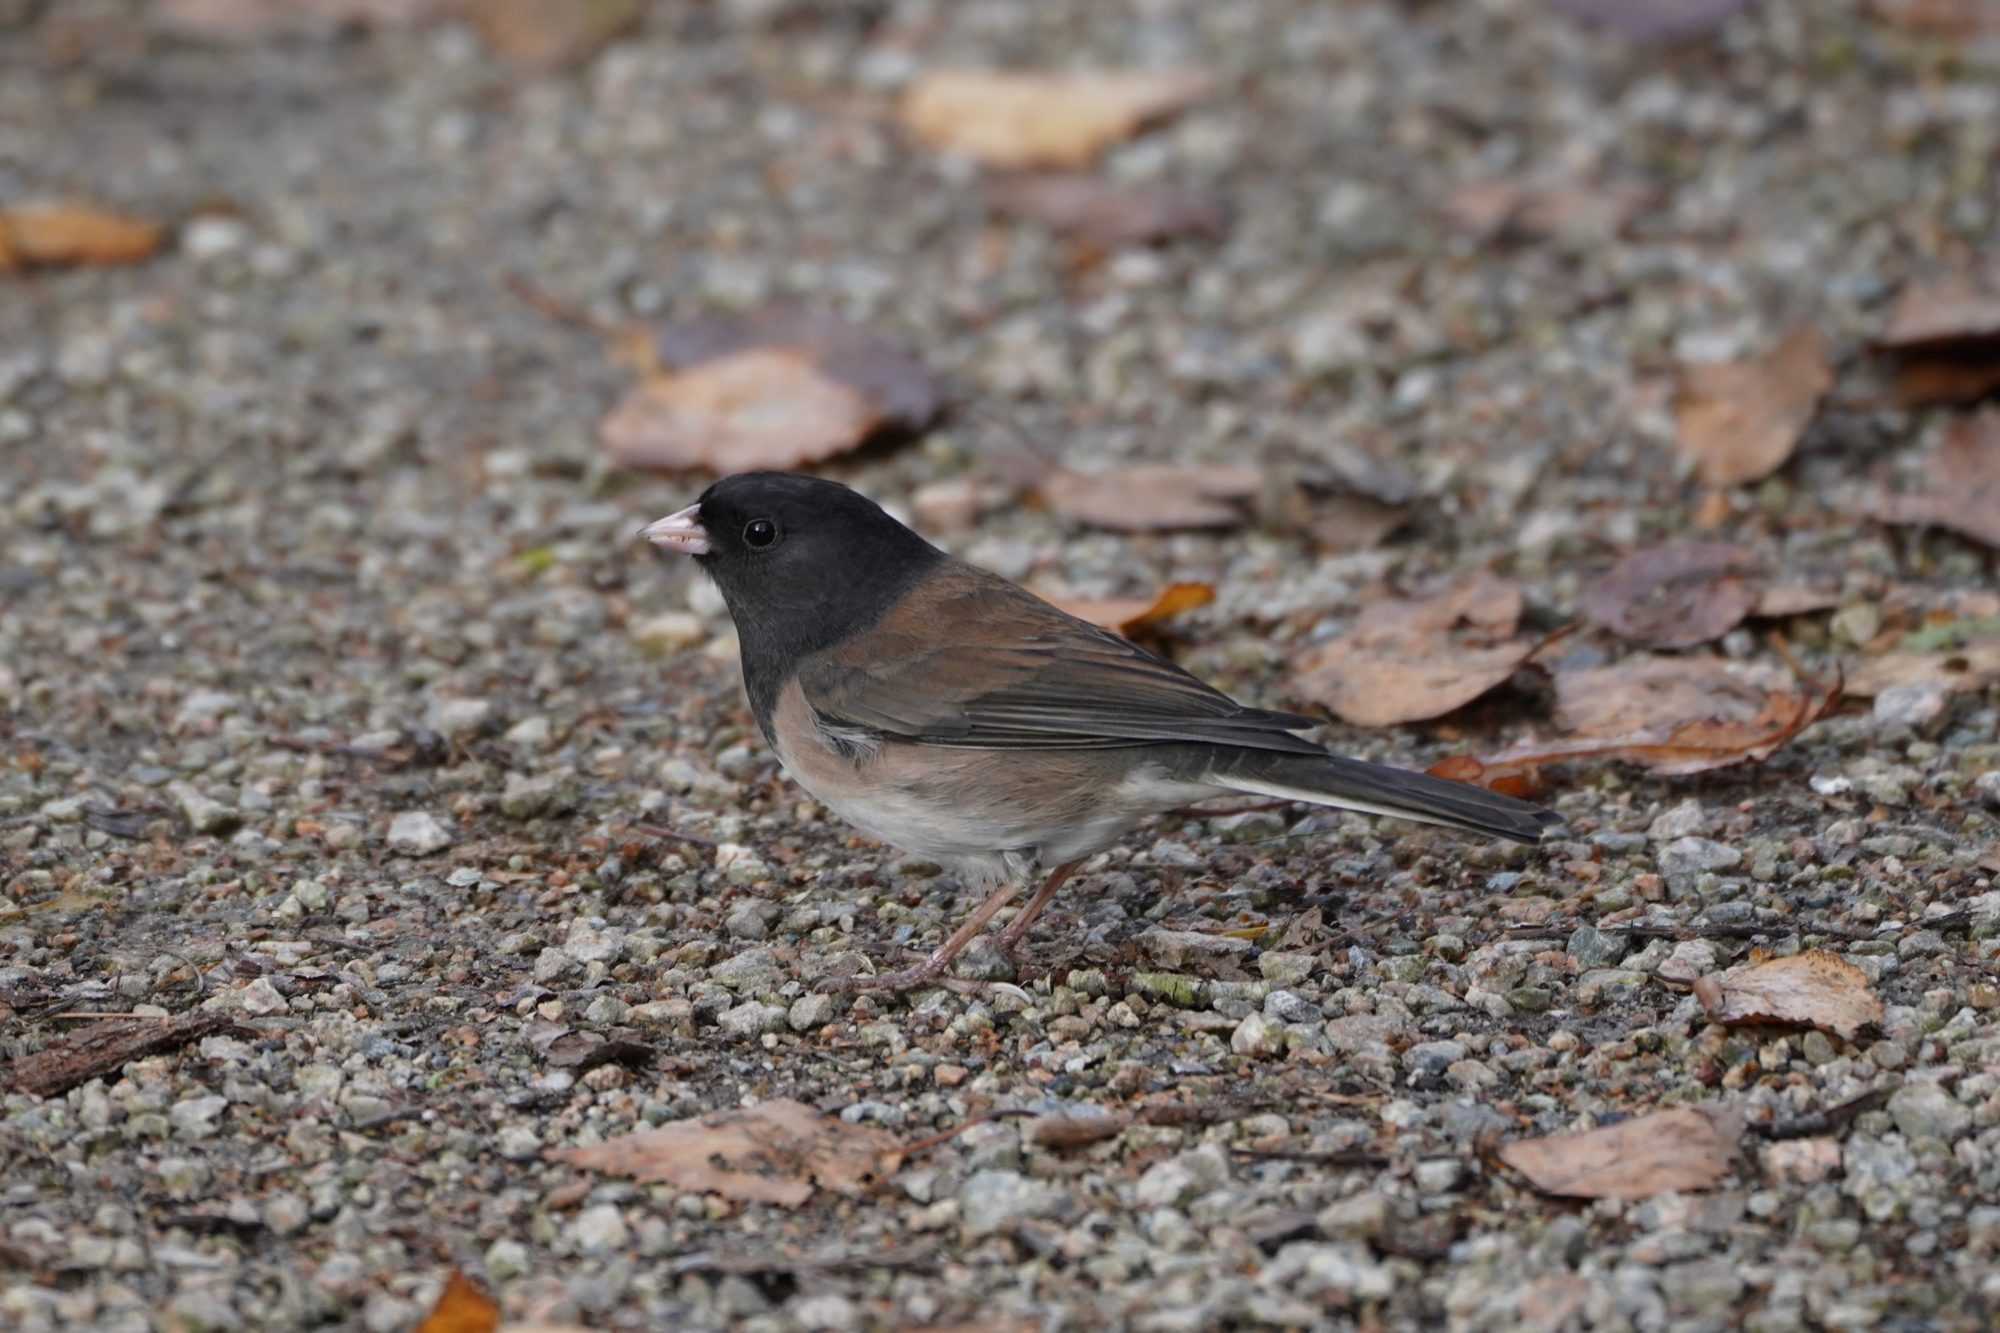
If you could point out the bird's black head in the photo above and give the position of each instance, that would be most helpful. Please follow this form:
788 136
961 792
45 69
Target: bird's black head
802 562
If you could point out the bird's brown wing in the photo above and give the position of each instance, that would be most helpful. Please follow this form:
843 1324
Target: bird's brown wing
969 659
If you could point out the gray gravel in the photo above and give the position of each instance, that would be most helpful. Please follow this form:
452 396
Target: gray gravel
334 693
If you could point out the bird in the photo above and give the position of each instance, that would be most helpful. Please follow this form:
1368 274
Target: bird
947 711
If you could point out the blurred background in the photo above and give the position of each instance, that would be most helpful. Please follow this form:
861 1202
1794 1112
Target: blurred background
1583 395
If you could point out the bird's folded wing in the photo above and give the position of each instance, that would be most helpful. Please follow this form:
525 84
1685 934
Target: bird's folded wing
975 661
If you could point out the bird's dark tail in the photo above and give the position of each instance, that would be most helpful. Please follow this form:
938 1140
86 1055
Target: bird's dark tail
1350 784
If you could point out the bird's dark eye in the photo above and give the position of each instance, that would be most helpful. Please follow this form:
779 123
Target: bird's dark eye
760 533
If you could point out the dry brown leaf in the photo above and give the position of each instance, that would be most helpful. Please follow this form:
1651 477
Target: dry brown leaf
1674 595
1812 989
1543 204
106 1047
1740 420
1972 666
1109 213
1406 661
68 234
549 34
1964 495
1672 715
774 1152
1945 336
1651 20
1135 615
1042 120
248 20
1155 497
1686 1148
1779 601
763 408
461 1308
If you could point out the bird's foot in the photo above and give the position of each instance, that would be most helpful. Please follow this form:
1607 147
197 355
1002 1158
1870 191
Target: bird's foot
918 978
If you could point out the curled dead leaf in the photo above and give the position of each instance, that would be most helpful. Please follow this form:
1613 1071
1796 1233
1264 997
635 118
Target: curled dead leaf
775 388
461 1307
1155 497
1672 715
1109 213
1812 989
73 234
1675 595
1042 120
774 1152
1944 334
549 34
1686 1148
1741 420
1405 661
1964 495
1135 615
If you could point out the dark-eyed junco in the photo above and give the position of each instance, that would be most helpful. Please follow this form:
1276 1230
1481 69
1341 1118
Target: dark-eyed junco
953 714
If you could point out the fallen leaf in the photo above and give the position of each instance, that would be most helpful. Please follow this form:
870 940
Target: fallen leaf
1405 661
1059 1132
774 388
1651 20
1349 500
1964 494
1940 18
462 1307
768 408
70 234
1972 666
774 1152
1109 213
1779 601
1686 1148
1812 989
1675 595
249 20
1543 204
1155 497
1135 615
1042 120
1945 336
107 1047
1740 420
1672 715
549 34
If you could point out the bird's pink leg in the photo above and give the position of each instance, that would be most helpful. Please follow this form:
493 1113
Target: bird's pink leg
1018 927
932 968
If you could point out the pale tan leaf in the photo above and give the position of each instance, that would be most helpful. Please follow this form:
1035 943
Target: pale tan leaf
1686 1148
774 1152
1958 670
71 234
758 408
1964 495
1674 595
1404 661
1041 120
1740 420
1812 989
1155 497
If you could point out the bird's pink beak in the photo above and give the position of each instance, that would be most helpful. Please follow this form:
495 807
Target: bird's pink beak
680 532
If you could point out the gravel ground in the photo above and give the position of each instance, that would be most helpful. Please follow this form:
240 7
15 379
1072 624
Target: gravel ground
334 690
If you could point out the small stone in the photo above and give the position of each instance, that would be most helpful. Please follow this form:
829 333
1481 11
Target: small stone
417 833
530 733
599 1228
462 719
205 814
752 1019
1912 704
1592 947
519 1143
194 1118
1686 820
1432 1058
829 1311
591 941
740 865
507 1258
1287 969
1925 1111
1684 858
258 998
1437 1175
749 921
1182 1179
1283 1006
1690 961
810 1011
995 1201
1363 1216
286 1214
1178 948
670 631
538 797
1256 1037
752 970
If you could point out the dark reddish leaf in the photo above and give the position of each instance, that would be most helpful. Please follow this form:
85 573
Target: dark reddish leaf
1672 596
1964 495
